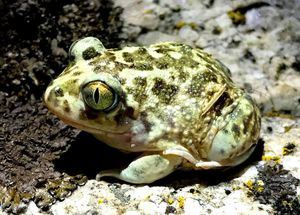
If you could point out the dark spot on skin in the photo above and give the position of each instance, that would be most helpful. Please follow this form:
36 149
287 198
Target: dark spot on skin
129 112
165 62
139 90
127 57
199 82
165 92
58 92
246 122
139 81
187 61
69 86
164 49
146 122
225 131
161 65
77 73
182 75
82 115
138 171
141 51
90 113
236 129
120 117
89 53
157 161
222 151
110 55
66 106
243 148
142 66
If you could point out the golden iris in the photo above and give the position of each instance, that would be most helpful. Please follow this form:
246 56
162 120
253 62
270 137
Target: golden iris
98 96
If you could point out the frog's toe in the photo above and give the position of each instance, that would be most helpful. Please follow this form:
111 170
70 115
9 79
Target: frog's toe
145 169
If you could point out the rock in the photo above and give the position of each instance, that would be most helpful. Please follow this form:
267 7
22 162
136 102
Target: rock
262 54
155 37
187 34
139 13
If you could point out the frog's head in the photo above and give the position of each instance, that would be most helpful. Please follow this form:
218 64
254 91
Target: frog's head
85 99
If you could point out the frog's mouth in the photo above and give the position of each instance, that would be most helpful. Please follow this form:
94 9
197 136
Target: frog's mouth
86 125
121 137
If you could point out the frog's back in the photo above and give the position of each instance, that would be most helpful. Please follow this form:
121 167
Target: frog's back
172 87
166 71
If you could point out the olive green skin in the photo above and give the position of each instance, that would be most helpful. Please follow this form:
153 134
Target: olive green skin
171 98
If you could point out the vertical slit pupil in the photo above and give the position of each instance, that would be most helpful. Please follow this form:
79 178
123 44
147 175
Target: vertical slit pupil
96 96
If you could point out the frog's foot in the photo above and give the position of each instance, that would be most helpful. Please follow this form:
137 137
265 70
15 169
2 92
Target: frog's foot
145 169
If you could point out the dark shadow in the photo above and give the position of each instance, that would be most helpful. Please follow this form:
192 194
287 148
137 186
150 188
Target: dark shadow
87 156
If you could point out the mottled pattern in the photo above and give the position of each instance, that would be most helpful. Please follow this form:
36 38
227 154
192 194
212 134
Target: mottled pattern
170 97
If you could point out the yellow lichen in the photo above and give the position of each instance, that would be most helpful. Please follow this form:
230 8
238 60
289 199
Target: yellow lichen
249 184
275 158
193 25
180 24
181 201
101 200
170 201
148 11
260 186
257 185
236 187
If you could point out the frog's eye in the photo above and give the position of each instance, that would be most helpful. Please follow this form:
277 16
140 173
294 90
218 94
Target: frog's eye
99 96
85 49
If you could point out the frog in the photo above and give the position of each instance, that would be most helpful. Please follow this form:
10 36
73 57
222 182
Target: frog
175 105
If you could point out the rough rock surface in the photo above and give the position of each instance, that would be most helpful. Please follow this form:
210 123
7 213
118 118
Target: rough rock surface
42 161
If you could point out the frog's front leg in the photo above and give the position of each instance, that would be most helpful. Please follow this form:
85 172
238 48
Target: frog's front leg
145 169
